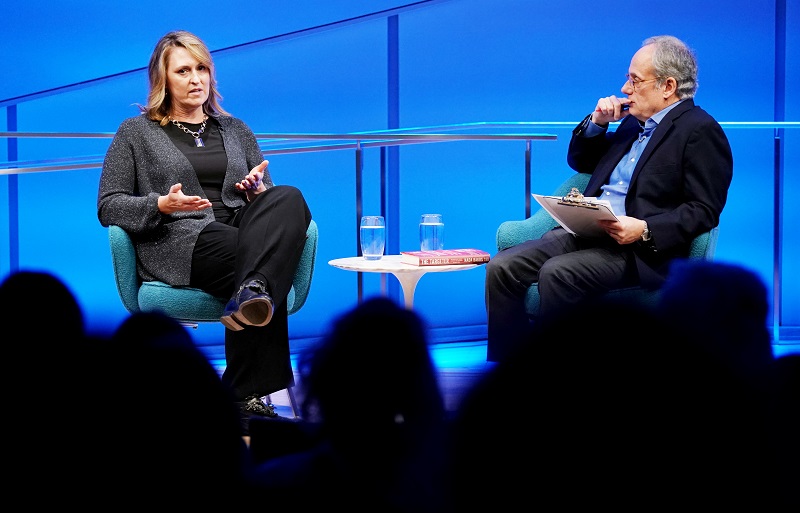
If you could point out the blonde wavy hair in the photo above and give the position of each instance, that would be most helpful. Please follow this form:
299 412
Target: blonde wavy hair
158 101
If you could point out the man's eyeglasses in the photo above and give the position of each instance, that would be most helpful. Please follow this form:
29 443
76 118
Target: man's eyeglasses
633 83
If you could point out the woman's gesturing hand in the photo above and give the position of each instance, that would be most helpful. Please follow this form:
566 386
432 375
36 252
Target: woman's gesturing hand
253 183
177 201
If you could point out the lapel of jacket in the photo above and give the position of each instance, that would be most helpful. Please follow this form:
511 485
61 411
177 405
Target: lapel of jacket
660 132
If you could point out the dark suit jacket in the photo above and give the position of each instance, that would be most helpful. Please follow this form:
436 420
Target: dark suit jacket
679 185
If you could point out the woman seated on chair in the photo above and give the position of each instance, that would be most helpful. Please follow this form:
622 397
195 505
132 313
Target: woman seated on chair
190 185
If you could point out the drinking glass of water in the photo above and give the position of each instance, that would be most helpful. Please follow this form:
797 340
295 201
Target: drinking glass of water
373 237
431 232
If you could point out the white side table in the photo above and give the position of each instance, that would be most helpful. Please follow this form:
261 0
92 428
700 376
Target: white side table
407 275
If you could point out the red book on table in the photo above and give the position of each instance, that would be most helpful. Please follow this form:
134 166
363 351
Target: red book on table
445 257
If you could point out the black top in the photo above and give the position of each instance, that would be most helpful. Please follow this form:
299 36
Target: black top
209 161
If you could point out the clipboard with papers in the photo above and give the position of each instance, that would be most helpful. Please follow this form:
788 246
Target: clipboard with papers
578 214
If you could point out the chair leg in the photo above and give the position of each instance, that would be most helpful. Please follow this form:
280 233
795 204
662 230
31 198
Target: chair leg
293 402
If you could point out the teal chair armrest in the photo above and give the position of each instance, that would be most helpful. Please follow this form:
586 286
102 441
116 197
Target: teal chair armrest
705 245
301 284
123 259
511 233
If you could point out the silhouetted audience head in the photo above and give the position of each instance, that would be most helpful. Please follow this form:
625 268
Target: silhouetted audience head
724 307
41 305
609 404
141 415
48 426
785 415
371 388
378 350
171 424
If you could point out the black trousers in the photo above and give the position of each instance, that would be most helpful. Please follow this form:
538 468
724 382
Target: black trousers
567 269
264 240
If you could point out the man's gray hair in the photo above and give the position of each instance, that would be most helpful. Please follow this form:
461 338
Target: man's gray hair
673 58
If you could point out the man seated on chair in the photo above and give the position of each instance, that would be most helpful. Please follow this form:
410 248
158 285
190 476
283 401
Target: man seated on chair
666 171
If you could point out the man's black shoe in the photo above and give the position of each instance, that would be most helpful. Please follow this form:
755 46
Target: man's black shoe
250 306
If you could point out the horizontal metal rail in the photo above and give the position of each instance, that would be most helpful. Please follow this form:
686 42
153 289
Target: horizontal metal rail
270 144
286 143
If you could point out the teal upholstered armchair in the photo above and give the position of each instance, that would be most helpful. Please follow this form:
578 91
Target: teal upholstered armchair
511 233
186 304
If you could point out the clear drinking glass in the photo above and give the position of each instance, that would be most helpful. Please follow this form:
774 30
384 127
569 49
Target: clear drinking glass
373 237
431 232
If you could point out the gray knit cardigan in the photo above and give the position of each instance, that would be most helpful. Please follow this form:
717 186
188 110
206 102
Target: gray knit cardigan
142 164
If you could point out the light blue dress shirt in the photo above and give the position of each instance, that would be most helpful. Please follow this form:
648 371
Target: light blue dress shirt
617 187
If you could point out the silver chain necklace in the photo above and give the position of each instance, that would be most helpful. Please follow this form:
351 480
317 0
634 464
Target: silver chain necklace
197 141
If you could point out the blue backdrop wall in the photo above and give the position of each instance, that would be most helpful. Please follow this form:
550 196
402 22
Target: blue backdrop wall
315 66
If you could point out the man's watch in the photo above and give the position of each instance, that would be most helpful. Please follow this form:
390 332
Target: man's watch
646 233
